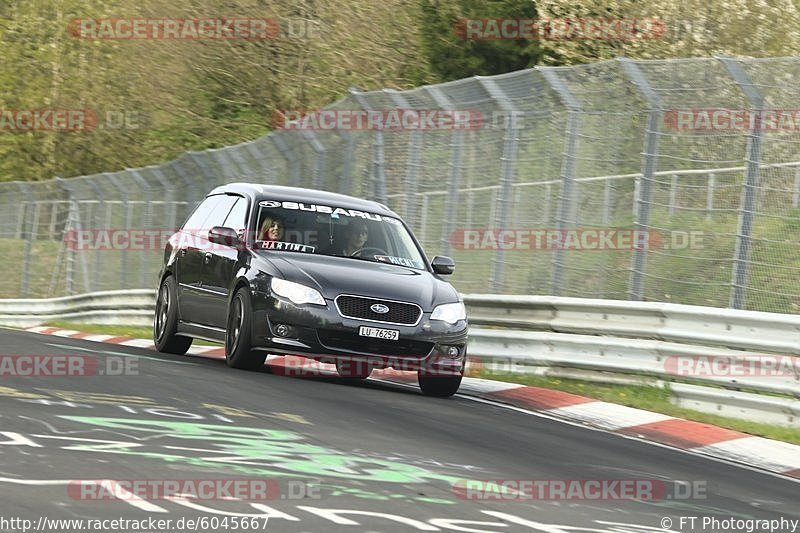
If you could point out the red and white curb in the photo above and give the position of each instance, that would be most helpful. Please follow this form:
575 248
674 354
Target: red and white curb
765 454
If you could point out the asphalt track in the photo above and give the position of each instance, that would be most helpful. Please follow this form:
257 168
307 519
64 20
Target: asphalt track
349 457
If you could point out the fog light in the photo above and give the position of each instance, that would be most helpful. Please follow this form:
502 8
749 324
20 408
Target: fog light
451 351
282 330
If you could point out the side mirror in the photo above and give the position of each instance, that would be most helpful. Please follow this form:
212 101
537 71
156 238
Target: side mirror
223 235
443 265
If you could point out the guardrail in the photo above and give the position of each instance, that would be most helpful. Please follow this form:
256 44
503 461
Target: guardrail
600 340
131 307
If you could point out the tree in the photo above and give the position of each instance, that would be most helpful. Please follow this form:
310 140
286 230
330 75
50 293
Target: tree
452 56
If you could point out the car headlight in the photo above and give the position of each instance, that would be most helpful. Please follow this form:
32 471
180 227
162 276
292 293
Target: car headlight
296 293
450 313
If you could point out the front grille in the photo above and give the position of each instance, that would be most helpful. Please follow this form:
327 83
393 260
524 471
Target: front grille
359 307
345 341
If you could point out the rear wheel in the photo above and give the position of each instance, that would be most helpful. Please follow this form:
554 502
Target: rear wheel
165 322
238 349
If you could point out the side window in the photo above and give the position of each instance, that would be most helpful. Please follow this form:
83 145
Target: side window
237 218
195 221
219 213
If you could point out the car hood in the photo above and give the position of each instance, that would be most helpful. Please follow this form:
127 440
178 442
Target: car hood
333 276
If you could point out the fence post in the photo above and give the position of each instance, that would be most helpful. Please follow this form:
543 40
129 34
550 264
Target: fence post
566 205
415 142
210 179
673 193
796 193
123 275
712 183
148 197
607 190
454 181
292 161
321 157
508 172
749 188
345 180
194 193
645 193
28 236
168 195
73 224
377 184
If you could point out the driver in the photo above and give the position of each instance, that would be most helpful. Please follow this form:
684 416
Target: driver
355 238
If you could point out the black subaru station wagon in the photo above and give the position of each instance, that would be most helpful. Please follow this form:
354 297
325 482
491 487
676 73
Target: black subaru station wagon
290 271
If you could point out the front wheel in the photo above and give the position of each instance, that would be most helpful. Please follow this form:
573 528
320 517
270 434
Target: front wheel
238 348
438 386
165 322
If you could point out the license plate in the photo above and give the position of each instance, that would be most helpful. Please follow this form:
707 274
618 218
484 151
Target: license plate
379 333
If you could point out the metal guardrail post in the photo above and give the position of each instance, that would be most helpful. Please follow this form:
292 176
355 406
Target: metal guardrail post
645 196
454 181
377 185
508 173
749 188
566 206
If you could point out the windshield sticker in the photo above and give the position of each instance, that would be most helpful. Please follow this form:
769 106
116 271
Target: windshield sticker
402 261
335 212
286 246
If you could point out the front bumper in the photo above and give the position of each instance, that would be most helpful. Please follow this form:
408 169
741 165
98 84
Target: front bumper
321 333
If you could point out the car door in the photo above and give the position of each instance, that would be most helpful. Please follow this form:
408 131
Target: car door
221 264
189 261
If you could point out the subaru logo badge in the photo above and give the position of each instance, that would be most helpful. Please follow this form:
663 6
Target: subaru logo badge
379 308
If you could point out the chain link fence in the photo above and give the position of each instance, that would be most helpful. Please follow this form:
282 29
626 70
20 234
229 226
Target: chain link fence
641 147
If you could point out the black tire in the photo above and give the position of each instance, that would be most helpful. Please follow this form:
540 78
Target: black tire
438 386
165 321
353 370
238 348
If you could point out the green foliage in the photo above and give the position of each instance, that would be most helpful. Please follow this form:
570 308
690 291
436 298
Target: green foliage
191 95
452 57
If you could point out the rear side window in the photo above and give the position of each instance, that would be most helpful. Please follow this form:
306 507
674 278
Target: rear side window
219 213
237 218
195 221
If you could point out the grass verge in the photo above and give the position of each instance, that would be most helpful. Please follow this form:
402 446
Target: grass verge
644 397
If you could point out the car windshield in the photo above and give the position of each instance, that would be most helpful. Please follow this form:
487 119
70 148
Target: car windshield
335 231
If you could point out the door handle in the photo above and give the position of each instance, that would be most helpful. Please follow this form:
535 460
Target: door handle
207 257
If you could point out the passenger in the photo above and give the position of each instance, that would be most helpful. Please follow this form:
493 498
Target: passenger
272 229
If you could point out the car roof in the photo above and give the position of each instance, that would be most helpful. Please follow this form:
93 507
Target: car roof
260 192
